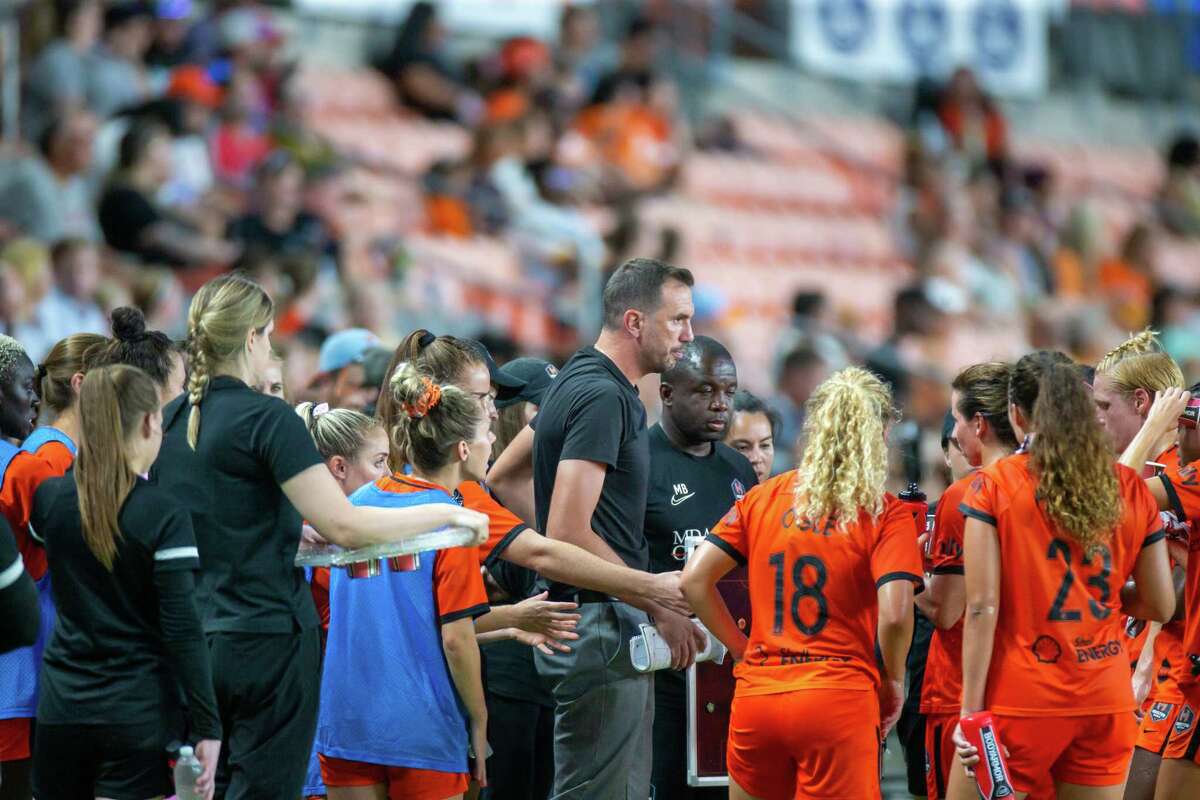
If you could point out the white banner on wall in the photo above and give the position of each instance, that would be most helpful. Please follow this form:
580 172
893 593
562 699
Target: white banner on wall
479 17
1004 41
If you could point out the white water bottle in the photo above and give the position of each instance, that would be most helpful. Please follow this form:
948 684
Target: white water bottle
187 769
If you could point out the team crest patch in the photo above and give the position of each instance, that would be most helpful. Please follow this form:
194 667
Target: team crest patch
1160 711
552 370
1186 717
739 491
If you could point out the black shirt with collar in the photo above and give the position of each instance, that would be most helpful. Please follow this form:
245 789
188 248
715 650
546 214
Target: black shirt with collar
247 530
592 412
128 639
688 495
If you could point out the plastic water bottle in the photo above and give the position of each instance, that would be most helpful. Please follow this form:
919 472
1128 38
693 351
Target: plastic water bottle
187 770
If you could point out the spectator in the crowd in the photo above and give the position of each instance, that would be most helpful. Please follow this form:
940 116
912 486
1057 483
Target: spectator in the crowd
131 218
801 371
58 77
1127 281
973 123
198 96
341 372
238 145
47 195
422 72
812 325
1179 199
171 44
116 72
27 264
581 58
70 306
278 225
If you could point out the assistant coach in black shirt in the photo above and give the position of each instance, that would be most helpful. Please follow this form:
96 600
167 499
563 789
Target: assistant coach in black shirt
591 469
249 473
694 480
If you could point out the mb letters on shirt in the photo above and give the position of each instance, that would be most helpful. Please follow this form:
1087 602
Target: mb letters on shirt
679 495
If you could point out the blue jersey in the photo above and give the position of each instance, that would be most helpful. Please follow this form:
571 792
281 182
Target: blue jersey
386 693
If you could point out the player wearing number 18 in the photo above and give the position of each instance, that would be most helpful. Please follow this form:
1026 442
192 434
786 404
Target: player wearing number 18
1053 535
831 558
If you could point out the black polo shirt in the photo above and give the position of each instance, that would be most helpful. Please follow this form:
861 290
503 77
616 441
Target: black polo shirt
689 494
593 413
246 528
107 662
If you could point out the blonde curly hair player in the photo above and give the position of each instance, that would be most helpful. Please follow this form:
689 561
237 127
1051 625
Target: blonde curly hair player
811 704
844 468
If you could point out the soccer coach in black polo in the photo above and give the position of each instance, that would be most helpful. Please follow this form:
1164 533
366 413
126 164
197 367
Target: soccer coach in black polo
591 467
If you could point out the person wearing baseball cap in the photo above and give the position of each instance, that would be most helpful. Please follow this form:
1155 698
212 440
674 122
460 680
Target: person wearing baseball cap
341 374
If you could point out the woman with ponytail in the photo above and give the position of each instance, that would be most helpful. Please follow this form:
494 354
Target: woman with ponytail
1053 534
46 453
245 467
402 663
833 563
123 561
153 352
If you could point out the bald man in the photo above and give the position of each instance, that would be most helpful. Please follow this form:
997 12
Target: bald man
694 480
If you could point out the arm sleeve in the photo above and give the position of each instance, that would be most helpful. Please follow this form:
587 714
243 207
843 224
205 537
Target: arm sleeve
896 555
280 440
946 543
980 501
458 585
183 640
593 431
503 525
20 614
730 532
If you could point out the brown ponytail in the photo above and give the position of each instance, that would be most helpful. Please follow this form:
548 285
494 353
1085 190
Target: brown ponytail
113 402
67 358
443 358
1070 453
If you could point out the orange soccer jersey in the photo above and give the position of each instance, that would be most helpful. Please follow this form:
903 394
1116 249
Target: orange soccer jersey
1182 484
1059 647
813 589
24 475
503 525
941 690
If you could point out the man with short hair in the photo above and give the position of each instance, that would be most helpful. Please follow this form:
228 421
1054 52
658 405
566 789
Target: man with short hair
591 465
695 479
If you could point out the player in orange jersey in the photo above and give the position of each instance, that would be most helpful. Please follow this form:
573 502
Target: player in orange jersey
1053 534
1127 380
831 559
979 403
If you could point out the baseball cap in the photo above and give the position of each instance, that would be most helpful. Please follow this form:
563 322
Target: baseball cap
506 385
194 83
173 9
537 375
344 348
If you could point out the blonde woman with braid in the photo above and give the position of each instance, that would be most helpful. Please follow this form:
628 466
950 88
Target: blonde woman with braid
246 468
833 560
1053 535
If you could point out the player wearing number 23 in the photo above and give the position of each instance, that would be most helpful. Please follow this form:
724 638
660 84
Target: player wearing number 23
1053 533
806 713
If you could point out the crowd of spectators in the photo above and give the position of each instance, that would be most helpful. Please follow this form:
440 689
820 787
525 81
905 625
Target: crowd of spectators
163 143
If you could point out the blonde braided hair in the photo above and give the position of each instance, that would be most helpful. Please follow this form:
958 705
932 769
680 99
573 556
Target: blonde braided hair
1140 363
221 314
844 467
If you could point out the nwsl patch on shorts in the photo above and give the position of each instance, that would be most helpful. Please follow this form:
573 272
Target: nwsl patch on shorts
1186 717
1160 711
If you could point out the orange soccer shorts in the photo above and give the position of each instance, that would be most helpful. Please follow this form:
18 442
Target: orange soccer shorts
404 783
1158 723
805 743
1183 740
15 738
940 756
1092 750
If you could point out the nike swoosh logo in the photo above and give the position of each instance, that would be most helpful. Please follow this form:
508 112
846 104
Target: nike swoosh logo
677 500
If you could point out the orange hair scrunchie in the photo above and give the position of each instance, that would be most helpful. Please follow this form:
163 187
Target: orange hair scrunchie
428 399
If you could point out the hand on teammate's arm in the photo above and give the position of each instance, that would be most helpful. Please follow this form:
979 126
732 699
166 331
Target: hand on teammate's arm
707 565
321 501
